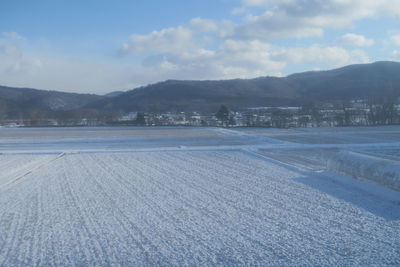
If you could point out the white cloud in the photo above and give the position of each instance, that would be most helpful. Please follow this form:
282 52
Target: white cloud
306 18
220 29
177 39
308 7
395 55
12 36
204 25
23 68
355 40
232 59
331 55
279 19
165 40
274 26
14 62
396 39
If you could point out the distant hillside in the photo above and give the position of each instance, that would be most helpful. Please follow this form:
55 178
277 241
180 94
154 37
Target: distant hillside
20 103
351 82
363 81
114 93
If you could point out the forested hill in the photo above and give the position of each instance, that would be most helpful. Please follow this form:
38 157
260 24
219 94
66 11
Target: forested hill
362 81
21 103
374 81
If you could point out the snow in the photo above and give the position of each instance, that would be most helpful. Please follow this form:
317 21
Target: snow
370 168
191 196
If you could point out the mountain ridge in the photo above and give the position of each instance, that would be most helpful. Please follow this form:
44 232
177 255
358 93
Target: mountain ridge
20 103
371 81
364 81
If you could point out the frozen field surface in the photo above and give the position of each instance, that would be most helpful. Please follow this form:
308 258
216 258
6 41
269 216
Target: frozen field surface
189 196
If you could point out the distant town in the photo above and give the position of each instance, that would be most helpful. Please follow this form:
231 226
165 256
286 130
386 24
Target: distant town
353 113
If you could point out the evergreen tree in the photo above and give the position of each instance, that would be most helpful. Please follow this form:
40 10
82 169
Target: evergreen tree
223 114
140 119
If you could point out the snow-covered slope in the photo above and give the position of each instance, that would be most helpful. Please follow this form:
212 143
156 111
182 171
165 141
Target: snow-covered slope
158 199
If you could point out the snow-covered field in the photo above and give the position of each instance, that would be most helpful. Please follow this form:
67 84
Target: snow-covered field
197 196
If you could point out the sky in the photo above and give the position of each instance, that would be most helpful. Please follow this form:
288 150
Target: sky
100 46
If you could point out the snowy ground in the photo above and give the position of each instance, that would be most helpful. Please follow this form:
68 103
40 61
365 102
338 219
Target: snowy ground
195 196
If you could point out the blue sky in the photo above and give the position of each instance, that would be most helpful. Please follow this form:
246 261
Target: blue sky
101 46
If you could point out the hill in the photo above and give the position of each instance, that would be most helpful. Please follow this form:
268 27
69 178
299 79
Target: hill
361 81
20 103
